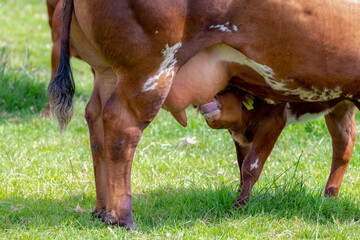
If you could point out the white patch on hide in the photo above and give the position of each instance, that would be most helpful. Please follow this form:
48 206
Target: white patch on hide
291 117
166 67
269 101
225 27
254 165
227 53
239 138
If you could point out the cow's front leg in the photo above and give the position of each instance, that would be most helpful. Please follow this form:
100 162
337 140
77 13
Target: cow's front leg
342 127
260 149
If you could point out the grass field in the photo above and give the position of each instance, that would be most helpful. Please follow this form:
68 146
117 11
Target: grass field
182 189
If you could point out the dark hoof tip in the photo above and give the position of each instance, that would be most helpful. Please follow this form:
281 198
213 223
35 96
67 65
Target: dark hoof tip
109 219
98 214
331 192
240 203
128 226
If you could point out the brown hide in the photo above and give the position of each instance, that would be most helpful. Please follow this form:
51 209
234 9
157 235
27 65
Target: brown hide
164 53
255 132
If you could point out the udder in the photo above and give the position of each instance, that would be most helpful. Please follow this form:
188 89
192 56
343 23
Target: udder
198 81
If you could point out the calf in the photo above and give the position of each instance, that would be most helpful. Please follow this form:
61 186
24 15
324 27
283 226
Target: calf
255 132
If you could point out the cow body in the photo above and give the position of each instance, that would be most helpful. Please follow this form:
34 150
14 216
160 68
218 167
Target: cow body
255 132
152 54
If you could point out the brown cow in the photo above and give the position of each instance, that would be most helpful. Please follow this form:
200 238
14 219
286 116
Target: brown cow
256 130
164 53
54 8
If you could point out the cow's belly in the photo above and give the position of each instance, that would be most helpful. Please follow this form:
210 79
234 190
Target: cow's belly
210 71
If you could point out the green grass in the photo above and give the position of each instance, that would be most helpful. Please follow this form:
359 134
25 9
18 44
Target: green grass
181 191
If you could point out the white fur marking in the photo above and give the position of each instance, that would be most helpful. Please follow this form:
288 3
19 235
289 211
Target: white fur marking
166 67
291 117
269 101
254 165
226 53
225 27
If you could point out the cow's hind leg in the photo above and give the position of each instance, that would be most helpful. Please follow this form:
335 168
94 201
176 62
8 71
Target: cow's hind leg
342 127
104 85
125 115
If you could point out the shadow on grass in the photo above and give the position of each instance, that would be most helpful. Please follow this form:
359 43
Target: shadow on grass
23 92
182 208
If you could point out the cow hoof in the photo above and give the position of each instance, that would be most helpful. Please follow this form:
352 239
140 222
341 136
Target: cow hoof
110 219
128 226
98 214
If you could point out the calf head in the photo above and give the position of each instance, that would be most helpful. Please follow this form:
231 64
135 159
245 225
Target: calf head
230 105
233 115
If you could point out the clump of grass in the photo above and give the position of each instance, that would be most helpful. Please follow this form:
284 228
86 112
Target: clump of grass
288 196
21 91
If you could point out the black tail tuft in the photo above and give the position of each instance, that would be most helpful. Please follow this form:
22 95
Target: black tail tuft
61 89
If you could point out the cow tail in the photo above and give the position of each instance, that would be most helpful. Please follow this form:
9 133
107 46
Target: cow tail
61 89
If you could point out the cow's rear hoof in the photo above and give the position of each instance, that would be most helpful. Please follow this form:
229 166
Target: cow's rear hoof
98 214
110 219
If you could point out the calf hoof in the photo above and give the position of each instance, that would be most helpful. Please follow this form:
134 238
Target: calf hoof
241 201
110 219
331 192
239 204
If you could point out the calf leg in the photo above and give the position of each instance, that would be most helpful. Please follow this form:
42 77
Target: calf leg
342 127
241 152
260 149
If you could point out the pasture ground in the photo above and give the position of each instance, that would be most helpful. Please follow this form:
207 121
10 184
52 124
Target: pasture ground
184 181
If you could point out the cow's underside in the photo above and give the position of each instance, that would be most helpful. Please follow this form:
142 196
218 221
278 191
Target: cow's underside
152 54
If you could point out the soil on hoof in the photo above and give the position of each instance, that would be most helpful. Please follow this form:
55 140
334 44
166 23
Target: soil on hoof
110 219
98 214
